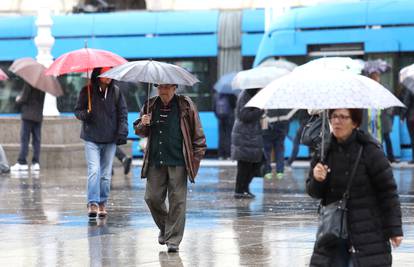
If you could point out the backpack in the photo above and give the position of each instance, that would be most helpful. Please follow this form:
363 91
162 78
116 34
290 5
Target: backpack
223 108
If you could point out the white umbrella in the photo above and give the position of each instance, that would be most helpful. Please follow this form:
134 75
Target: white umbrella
280 63
334 63
257 77
150 71
326 89
407 77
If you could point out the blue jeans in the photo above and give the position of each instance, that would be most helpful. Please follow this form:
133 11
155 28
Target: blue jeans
30 127
274 138
99 158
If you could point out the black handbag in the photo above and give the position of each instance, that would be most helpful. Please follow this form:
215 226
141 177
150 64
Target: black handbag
312 131
332 222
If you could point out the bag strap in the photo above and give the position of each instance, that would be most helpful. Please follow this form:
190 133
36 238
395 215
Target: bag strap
346 193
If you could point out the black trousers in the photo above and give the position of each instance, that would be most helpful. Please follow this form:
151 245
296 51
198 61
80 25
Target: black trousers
410 126
27 128
388 146
119 154
245 173
225 128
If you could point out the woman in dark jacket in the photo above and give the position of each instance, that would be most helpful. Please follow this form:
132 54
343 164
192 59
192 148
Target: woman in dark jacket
104 125
374 217
246 143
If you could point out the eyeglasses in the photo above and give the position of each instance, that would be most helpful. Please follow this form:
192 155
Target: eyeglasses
339 117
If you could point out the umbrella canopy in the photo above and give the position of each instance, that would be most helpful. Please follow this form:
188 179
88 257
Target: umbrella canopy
334 63
82 60
34 74
257 77
150 71
280 63
3 75
326 89
223 85
377 65
407 77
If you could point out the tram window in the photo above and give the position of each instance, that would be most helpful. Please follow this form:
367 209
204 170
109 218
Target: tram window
200 93
9 89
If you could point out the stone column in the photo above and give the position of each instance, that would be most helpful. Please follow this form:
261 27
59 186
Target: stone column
44 42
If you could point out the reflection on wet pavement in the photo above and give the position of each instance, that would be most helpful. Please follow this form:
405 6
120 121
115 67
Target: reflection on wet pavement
44 222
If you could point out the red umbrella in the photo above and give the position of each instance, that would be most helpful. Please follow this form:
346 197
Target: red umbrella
84 60
3 76
34 73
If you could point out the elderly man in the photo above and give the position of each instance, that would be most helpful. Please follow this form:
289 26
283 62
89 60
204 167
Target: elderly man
176 144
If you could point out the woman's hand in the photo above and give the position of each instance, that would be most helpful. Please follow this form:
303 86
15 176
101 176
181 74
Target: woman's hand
396 241
320 171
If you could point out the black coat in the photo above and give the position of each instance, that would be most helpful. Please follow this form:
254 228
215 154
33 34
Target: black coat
31 101
374 207
108 121
246 136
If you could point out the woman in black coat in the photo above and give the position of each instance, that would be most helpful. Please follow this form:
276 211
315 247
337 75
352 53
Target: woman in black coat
246 143
374 217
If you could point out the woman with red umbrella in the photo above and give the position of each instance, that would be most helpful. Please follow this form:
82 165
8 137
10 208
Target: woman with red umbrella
103 113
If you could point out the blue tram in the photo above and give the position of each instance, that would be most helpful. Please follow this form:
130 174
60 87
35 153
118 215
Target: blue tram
185 38
366 30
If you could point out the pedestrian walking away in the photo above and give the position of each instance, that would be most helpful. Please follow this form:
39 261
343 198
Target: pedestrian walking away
374 220
224 105
176 144
31 101
104 126
246 143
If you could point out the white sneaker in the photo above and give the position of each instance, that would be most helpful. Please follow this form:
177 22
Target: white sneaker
19 167
35 167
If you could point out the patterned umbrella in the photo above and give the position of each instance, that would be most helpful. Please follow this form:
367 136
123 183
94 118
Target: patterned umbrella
326 89
334 63
3 75
407 77
377 65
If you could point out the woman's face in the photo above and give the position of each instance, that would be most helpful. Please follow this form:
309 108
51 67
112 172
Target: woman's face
342 124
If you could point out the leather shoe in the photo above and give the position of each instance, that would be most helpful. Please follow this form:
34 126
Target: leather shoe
92 210
161 238
127 164
172 248
246 195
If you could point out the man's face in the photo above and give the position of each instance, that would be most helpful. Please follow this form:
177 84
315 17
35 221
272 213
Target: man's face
166 91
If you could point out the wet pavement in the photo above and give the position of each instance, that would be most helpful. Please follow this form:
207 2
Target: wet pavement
43 221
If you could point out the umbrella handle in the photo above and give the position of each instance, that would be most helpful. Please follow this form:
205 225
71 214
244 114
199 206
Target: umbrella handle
89 98
323 135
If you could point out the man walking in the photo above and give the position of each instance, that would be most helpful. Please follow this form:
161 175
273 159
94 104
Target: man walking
175 147
31 101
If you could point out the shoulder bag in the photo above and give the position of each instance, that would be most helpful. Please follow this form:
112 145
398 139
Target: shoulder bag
332 222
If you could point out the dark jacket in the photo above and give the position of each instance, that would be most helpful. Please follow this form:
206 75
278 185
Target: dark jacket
408 100
194 141
246 136
108 120
374 207
31 101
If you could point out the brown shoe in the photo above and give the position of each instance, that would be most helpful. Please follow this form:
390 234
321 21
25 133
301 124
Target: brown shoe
92 210
102 210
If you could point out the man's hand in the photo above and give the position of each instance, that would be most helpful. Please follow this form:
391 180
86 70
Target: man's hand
396 241
146 119
320 171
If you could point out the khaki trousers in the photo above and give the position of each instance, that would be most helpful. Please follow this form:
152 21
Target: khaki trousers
171 180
